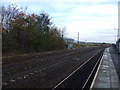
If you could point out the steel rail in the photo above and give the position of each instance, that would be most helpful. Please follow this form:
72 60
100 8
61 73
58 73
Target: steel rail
92 73
74 71
21 72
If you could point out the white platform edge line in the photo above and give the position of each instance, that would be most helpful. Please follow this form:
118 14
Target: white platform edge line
96 72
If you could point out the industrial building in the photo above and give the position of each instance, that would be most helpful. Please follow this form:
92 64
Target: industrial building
69 42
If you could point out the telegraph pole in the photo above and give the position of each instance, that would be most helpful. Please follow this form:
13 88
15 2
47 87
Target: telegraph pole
62 40
78 37
62 34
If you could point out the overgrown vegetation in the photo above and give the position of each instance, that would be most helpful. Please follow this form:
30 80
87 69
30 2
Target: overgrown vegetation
88 45
22 32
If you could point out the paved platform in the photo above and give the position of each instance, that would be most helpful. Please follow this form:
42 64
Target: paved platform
106 76
116 59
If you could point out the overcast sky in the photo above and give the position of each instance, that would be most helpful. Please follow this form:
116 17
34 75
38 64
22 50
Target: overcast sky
95 20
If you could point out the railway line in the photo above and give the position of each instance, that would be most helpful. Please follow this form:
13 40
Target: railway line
29 65
45 70
83 75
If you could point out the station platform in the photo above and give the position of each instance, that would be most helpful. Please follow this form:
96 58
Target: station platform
106 76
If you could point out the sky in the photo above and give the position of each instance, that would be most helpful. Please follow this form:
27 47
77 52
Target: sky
95 20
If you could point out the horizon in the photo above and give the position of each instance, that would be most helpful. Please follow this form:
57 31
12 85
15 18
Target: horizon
94 20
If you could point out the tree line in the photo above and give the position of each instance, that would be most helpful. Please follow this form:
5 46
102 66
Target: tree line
23 32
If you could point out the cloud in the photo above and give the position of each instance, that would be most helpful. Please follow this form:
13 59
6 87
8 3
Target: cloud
94 19
60 1
89 20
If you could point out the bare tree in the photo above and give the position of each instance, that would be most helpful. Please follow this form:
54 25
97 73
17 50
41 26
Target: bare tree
8 14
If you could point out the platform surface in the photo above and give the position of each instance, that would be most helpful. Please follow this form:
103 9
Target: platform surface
106 75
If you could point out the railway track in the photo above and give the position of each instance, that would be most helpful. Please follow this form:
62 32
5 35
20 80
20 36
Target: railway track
29 57
12 71
9 70
82 77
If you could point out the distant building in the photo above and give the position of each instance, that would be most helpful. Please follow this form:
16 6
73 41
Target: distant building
69 42
69 46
